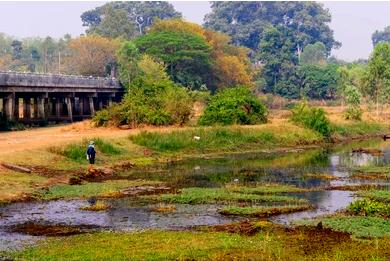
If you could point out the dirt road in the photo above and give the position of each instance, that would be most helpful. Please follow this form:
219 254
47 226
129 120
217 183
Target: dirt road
15 141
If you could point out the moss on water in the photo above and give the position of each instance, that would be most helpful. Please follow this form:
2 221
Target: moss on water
223 195
262 211
109 188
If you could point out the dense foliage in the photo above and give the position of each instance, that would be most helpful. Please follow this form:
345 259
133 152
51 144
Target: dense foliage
196 57
318 81
381 36
152 98
314 54
126 19
186 55
92 55
277 32
234 106
312 118
245 21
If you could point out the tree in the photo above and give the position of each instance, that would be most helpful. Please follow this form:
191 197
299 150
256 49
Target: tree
378 73
186 55
381 36
314 54
318 82
128 57
91 54
230 65
114 23
16 49
276 32
245 22
280 62
126 18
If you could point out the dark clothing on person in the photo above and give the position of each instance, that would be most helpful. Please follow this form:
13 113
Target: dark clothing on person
91 153
91 160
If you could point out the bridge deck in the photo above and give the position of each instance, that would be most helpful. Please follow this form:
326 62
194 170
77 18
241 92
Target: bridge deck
33 82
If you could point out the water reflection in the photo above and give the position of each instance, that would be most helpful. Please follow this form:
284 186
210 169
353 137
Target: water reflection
326 202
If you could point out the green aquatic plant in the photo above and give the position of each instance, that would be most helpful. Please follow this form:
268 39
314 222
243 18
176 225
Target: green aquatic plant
367 207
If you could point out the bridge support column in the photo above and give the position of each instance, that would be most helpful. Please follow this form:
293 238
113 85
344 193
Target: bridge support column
58 108
100 103
91 106
9 106
81 106
69 107
35 114
16 109
26 108
109 101
41 108
46 106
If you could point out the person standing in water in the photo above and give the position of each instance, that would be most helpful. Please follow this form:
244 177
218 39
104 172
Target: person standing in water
91 153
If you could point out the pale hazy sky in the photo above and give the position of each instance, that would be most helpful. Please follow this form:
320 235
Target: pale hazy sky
352 22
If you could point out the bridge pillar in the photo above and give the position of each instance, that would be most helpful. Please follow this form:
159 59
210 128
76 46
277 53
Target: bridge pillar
69 107
91 106
81 106
100 101
46 106
16 109
35 107
58 108
41 108
26 108
9 106
109 101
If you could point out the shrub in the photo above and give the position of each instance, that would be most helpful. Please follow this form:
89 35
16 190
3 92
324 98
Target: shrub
312 118
368 207
152 99
353 99
234 106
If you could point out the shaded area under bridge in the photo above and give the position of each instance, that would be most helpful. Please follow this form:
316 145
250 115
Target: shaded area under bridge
34 98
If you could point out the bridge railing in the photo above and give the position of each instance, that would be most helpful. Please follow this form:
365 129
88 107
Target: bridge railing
55 80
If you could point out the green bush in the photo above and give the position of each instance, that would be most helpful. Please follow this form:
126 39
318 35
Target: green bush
367 207
234 106
353 99
312 118
152 99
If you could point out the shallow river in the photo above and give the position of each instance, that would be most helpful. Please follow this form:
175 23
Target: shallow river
128 215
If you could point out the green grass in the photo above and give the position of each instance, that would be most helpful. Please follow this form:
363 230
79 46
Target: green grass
358 226
190 245
77 151
379 195
267 189
262 211
372 172
103 189
225 139
355 129
14 184
223 195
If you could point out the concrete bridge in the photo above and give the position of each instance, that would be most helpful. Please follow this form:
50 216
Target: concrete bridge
35 98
